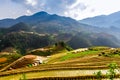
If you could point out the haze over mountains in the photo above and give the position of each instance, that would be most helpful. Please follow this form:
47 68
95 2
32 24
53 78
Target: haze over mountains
106 21
43 29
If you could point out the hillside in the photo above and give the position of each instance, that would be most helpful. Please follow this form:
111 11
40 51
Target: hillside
10 58
43 29
77 64
108 21
23 41
84 39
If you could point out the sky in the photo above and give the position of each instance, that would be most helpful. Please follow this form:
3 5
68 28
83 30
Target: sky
76 9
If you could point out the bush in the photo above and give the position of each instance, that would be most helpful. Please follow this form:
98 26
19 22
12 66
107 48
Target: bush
23 77
97 48
111 72
98 75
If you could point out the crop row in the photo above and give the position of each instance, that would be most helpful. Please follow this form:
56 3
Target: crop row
46 67
87 77
19 71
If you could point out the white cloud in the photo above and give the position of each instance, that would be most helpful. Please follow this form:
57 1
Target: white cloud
28 12
77 9
98 7
31 2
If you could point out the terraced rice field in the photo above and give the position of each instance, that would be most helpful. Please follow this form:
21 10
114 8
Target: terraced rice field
76 68
53 73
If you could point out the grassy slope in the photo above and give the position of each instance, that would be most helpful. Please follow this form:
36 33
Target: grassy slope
59 63
77 55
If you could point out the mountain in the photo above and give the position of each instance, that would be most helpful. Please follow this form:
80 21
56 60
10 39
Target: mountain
43 29
84 39
107 21
43 22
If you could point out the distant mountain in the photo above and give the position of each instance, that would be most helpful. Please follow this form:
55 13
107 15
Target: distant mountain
107 21
84 39
43 29
43 22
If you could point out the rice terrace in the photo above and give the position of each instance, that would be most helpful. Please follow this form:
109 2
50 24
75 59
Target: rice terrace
83 63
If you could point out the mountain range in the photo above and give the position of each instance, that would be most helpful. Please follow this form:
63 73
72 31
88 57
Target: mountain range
43 29
106 21
43 21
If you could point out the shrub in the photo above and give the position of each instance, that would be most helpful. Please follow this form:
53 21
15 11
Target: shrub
111 72
98 75
23 77
97 48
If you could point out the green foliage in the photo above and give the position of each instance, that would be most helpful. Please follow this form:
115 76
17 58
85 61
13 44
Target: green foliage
83 40
110 53
24 41
98 75
29 65
62 44
71 55
111 72
19 27
46 51
15 56
97 48
41 53
11 57
23 77
69 48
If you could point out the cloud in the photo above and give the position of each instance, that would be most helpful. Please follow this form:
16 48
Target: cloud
60 7
31 2
28 12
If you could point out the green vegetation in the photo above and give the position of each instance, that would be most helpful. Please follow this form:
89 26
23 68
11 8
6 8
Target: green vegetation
112 72
74 67
23 41
33 34
98 75
71 55
98 48
29 65
23 77
62 44
115 52
64 61
55 49
10 58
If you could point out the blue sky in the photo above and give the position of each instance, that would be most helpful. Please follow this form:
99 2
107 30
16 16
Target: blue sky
77 9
